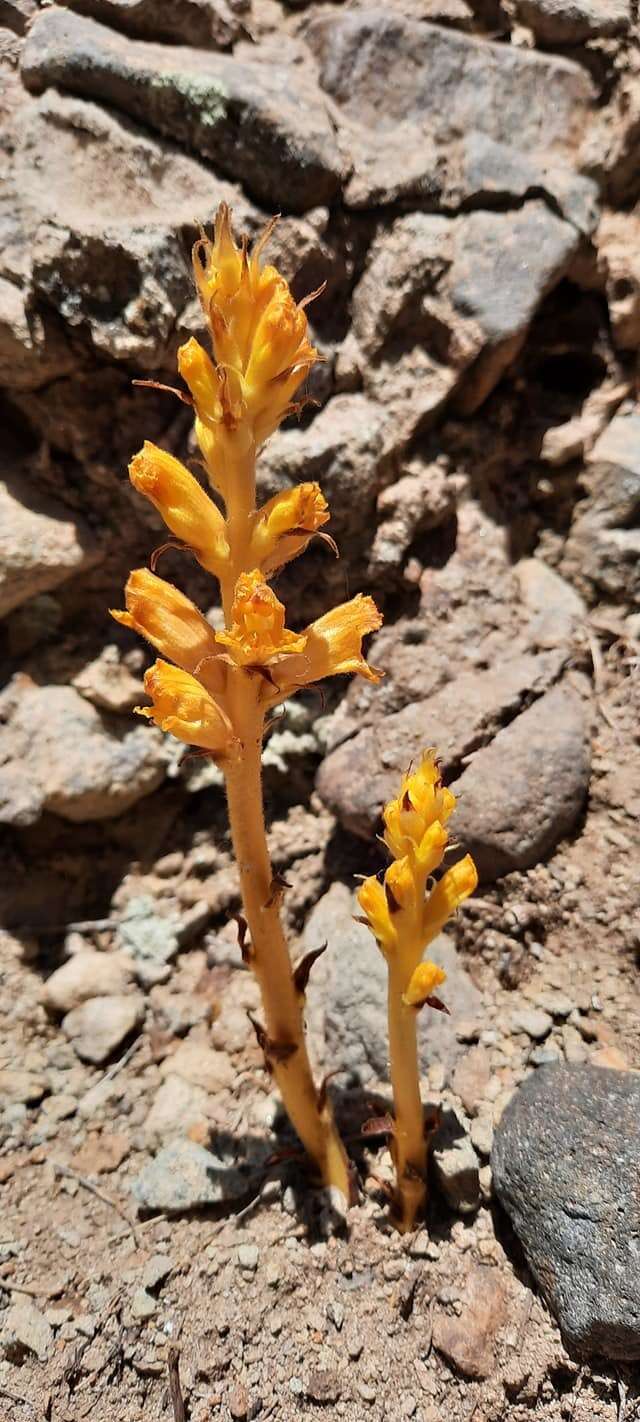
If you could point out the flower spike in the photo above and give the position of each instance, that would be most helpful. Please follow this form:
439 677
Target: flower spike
405 913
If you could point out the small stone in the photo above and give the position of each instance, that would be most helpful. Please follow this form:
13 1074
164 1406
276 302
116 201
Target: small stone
143 1306
558 1004
532 1021
335 1311
323 1386
482 1135
543 1056
248 1256
354 1342
60 1108
87 974
20 1087
26 1330
156 1270
471 1078
146 934
455 1163
201 1065
468 1340
183 1176
296 1386
367 1392
178 1108
99 1026
101 1154
239 1403
575 1050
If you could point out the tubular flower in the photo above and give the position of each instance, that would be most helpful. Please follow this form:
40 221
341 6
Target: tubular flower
285 524
422 983
221 428
405 915
258 635
182 706
168 620
186 509
258 330
333 646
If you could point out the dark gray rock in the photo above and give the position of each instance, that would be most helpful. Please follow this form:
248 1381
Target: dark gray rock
363 773
205 23
264 124
526 790
565 1162
347 1000
574 21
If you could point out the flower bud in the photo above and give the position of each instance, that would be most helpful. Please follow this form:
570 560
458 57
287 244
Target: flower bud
182 706
186 509
168 620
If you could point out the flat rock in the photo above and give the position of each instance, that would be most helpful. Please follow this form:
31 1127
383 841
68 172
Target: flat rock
26 1331
407 90
574 21
99 1026
557 610
185 1176
565 1158
455 1164
347 1000
41 544
263 123
206 23
526 790
87 974
60 754
468 1339
357 779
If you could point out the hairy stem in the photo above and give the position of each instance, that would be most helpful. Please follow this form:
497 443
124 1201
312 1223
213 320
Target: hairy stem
409 1145
285 1048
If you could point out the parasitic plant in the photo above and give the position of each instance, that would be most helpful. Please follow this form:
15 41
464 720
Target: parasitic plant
405 913
216 689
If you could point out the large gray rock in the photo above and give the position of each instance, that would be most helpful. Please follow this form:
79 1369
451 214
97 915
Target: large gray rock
60 754
363 773
445 303
41 544
565 1162
206 23
526 790
408 90
264 124
348 995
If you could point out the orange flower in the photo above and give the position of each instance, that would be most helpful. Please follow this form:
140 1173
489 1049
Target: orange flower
168 620
333 646
186 509
285 524
182 706
258 636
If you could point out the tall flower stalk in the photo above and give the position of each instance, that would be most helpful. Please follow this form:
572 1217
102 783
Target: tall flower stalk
405 912
215 690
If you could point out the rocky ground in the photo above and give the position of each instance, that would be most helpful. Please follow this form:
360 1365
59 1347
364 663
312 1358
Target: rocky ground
463 175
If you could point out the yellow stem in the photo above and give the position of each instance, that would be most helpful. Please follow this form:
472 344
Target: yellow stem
409 1145
241 504
269 958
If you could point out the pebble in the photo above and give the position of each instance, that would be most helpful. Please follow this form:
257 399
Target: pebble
156 1270
532 1021
367 1392
21 1088
335 1312
555 1002
26 1330
323 1386
354 1342
574 1048
455 1163
143 1306
239 1403
471 1078
183 1176
150 938
201 1065
482 1135
543 1056
60 1108
87 974
99 1026
248 1256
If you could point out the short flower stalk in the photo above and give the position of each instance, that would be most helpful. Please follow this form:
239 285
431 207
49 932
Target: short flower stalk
216 690
405 912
